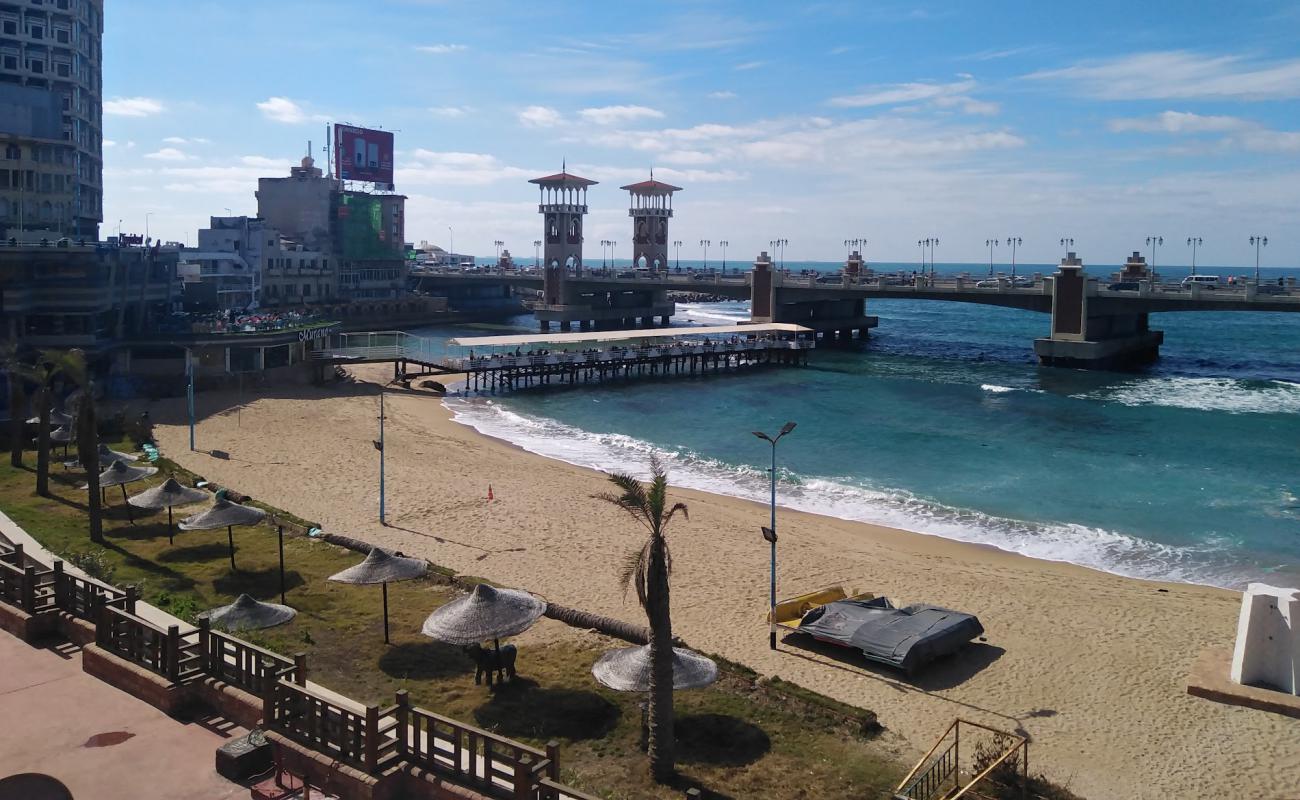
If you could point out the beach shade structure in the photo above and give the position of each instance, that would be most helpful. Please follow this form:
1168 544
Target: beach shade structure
165 495
62 435
247 614
57 417
383 568
107 455
119 473
485 613
627 669
224 514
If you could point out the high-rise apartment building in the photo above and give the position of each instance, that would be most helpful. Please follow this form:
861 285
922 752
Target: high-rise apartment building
51 112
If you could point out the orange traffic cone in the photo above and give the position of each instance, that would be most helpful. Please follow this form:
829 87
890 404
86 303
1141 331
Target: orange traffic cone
489 491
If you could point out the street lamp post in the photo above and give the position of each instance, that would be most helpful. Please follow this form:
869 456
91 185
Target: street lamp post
769 533
379 445
537 253
921 244
677 243
990 244
1067 243
1014 242
1258 241
705 244
451 245
147 215
603 244
1154 243
1194 242
723 244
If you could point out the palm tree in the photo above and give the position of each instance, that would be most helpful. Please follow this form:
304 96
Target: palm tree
647 568
40 374
72 364
17 380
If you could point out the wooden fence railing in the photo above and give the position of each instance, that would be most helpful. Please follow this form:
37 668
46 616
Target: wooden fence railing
355 738
245 665
84 597
168 653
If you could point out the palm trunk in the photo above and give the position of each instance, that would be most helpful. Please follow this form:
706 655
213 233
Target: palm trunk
662 743
88 454
17 419
43 441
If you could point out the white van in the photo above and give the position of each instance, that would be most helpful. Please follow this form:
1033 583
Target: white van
1208 281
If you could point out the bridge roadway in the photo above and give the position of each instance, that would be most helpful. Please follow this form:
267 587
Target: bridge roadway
800 288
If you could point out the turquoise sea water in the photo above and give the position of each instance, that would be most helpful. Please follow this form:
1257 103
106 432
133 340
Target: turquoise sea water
944 424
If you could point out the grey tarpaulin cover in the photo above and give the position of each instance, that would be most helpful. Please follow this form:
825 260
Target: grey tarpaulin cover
906 638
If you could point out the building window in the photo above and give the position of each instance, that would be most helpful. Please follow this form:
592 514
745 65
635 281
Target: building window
11 62
11 27
62 70
306 290
37 32
13 152
36 66
62 36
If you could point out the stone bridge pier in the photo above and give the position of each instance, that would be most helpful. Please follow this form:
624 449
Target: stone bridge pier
1091 330
828 312
603 310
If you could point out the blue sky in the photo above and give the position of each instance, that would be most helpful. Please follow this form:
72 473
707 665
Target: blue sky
815 122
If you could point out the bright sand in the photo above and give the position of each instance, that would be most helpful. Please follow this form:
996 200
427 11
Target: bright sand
1093 666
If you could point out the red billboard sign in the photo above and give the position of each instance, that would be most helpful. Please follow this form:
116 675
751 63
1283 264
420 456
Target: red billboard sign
362 154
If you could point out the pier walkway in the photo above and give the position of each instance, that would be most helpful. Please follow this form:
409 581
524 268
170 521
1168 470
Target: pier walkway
492 363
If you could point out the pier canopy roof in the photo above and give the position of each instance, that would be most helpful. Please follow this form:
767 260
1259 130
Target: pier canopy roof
627 336
564 180
651 187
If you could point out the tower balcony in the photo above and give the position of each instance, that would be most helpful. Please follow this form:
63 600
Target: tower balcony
561 208
650 212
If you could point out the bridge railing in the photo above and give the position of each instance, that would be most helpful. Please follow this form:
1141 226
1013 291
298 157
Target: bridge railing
571 357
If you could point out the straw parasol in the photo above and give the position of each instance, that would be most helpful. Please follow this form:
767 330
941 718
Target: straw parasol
63 435
108 455
628 669
382 567
165 495
247 614
120 474
57 417
224 514
486 613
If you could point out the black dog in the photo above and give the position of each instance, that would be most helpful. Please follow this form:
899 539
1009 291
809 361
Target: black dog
486 661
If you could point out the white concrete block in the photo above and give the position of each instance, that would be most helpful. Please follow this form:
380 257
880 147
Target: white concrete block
1267 653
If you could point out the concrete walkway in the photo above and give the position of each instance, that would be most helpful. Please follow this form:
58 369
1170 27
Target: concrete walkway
102 743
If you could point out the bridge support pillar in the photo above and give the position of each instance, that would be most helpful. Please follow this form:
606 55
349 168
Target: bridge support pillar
584 325
1088 335
566 325
545 325
664 320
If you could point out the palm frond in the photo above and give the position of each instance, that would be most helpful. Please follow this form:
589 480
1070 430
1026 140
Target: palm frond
635 570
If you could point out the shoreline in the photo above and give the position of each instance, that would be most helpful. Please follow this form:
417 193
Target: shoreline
1090 664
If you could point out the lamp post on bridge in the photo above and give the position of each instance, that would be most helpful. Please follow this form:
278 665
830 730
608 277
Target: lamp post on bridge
1194 242
1258 241
723 244
770 533
603 244
1014 242
921 244
1154 242
537 253
782 243
451 245
678 244
705 244
498 244
1067 243
990 244
932 243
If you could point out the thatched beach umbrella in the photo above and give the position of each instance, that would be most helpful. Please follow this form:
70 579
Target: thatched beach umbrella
165 495
247 614
224 514
57 417
63 435
628 669
485 613
383 568
107 455
120 474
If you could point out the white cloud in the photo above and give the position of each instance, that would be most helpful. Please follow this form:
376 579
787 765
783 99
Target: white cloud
133 107
442 168
539 117
450 112
168 154
183 140
442 49
1265 141
748 65
724 95
1178 122
262 162
289 112
110 143
900 93
1180 74
687 157
614 115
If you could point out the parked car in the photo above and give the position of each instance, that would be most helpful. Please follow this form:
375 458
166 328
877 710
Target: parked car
987 283
1206 281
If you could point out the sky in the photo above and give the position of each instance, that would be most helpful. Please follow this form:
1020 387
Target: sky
1104 122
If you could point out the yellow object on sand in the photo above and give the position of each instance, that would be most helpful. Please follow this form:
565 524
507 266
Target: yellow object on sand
790 612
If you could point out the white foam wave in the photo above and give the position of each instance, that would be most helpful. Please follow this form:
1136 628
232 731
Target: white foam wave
1206 394
715 312
993 388
1098 548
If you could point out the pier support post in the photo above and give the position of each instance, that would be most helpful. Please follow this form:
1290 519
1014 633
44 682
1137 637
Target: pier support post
1084 335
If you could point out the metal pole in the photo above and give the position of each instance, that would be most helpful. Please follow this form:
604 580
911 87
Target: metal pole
279 533
772 604
385 612
189 392
381 463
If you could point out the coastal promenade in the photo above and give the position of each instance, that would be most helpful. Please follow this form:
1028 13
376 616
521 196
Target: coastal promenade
1091 666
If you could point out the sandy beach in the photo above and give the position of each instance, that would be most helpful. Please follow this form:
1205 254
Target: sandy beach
1092 666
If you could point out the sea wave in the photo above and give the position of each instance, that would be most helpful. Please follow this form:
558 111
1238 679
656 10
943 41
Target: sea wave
1205 394
845 498
713 312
